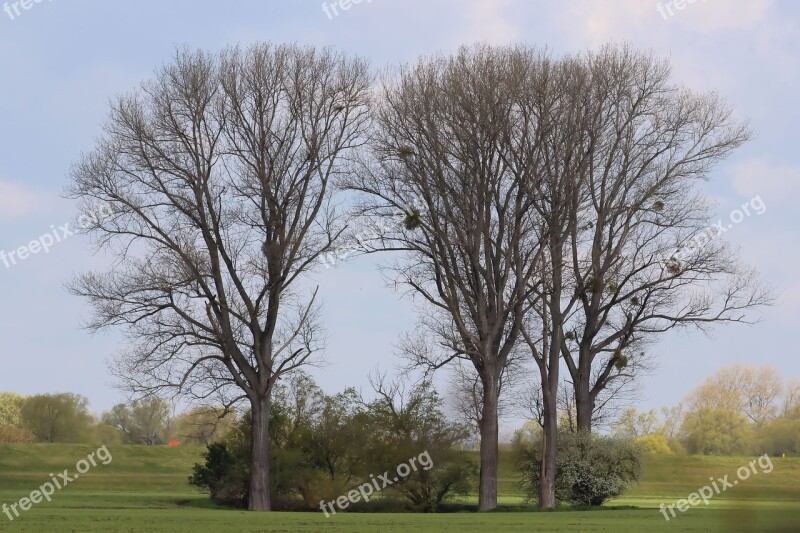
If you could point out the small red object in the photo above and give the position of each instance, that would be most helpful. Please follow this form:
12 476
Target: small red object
173 443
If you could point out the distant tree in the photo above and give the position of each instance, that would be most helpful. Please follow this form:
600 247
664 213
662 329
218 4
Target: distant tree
11 427
716 431
671 420
145 421
57 417
754 392
632 424
779 436
791 399
203 424
10 409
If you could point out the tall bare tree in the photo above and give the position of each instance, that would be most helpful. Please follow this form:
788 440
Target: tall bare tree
442 144
219 174
640 258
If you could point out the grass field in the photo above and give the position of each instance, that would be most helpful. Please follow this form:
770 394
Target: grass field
144 489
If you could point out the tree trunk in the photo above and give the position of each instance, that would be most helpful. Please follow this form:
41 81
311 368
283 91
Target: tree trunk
547 473
259 458
487 492
584 404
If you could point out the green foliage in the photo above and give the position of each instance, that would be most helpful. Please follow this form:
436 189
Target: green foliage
654 445
778 437
402 428
713 431
11 426
313 456
145 421
632 424
57 417
222 476
202 425
590 468
10 409
412 220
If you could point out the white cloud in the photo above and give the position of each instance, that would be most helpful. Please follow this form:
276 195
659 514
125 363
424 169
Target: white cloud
17 200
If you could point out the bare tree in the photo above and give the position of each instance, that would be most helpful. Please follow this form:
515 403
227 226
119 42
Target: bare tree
219 174
753 392
640 256
442 140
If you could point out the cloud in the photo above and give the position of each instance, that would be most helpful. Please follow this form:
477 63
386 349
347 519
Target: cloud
17 200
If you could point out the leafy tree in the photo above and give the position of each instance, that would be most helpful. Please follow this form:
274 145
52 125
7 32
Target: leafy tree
753 392
715 431
57 417
10 409
406 424
632 424
145 421
779 436
314 459
203 425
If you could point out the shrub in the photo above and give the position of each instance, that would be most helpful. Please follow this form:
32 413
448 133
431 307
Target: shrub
222 476
590 469
654 445
16 435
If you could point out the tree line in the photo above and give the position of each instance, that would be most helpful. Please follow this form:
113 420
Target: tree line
739 410
548 206
65 418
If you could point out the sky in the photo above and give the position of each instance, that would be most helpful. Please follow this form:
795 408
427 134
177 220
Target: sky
61 61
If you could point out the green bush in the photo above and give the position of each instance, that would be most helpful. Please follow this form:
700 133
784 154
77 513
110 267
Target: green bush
590 469
222 476
654 445
323 446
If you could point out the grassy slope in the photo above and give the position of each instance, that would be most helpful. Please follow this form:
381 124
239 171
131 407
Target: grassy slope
144 489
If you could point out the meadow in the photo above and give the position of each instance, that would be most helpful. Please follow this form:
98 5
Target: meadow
145 489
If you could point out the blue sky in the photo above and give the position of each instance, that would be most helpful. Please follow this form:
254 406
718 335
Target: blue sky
60 62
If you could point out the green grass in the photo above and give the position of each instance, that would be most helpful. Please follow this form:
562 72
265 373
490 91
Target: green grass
144 489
